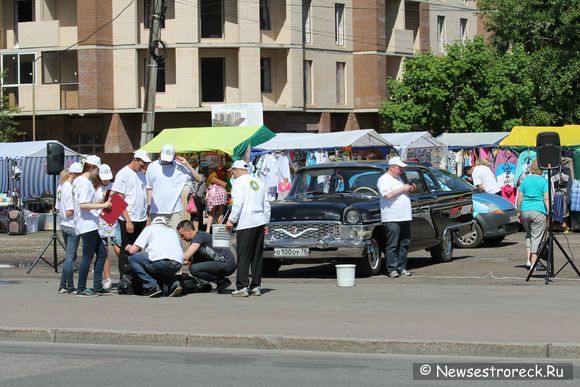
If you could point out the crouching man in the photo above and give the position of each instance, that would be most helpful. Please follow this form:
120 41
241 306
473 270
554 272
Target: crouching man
206 262
157 255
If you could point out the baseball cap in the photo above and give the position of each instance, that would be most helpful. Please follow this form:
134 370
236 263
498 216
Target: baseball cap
167 152
397 161
142 155
159 220
93 160
239 164
75 168
105 172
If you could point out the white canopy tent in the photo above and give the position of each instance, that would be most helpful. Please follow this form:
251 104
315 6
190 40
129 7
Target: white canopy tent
472 140
420 145
365 138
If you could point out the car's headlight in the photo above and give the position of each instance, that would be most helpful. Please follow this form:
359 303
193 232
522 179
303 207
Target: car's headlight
352 216
493 208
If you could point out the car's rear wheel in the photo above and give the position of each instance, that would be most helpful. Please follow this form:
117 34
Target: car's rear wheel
494 241
371 263
443 252
470 240
270 267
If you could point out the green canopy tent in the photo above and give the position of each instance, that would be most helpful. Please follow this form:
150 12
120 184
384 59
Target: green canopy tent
232 140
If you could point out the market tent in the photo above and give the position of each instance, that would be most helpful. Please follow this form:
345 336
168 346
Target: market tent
365 138
526 135
457 141
232 140
30 157
420 145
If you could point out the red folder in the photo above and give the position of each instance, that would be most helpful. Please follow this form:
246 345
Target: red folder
118 205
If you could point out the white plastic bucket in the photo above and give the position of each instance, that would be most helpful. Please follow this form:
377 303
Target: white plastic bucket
220 236
345 275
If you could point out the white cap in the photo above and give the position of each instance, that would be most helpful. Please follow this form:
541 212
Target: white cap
396 161
167 152
239 164
75 168
142 155
105 172
93 160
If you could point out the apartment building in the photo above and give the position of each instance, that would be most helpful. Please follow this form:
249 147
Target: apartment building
76 68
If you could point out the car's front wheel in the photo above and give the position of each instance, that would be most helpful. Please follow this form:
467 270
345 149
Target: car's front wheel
371 263
470 240
443 252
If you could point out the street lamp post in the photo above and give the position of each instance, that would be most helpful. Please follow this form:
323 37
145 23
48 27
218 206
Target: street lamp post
34 97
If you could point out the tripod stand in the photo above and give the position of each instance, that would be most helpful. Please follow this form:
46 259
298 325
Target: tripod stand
53 239
547 245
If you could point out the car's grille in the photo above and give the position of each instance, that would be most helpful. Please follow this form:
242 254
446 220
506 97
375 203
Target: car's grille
294 231
512 227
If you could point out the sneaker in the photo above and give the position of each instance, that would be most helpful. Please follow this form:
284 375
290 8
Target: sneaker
103 292
540 268
405 273
176 292
71 291
243 292
107 283
62 291
223 285
256 291
152 292
88 292
393 274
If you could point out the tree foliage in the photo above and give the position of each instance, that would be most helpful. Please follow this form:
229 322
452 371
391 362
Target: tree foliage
8 126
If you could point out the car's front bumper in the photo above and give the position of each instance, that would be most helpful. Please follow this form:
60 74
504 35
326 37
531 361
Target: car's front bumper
498 225
327 251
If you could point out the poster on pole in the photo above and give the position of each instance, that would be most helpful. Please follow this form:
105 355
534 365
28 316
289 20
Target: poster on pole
237 114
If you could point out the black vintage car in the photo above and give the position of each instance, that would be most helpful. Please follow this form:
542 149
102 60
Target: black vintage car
332 214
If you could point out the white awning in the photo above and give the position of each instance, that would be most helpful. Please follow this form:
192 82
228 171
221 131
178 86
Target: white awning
472 140
356 138
20 150
412 140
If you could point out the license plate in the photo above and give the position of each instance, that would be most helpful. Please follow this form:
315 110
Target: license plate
513 219
292 252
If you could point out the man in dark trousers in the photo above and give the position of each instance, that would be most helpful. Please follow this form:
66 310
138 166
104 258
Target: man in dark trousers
251 213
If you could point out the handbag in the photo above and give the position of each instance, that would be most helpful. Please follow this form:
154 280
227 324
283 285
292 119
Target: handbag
191 207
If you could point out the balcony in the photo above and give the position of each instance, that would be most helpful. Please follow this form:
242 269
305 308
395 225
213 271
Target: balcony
38 34
401 42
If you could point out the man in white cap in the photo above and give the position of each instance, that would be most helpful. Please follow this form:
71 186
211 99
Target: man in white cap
165 180
131 184
251 213
396 215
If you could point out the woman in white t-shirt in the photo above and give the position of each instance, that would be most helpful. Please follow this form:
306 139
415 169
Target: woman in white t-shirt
87 211
103 187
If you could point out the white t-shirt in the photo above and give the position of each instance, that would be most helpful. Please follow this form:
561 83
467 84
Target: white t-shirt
64 202
105 229
484 176
166 183
397 209
160 242
132 184
83 192
251 207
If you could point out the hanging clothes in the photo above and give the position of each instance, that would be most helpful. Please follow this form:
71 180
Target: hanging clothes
575 196
523 165
558 208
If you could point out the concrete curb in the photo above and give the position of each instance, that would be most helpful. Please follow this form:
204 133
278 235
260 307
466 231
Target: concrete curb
290 343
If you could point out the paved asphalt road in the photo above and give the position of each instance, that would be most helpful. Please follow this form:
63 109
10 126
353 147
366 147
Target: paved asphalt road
37 364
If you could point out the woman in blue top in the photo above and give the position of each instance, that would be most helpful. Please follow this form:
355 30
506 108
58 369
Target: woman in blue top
532 208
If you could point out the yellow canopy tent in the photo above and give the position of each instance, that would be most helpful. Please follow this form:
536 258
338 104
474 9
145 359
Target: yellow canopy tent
522 136
232 140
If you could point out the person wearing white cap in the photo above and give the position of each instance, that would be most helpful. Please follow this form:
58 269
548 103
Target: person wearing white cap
251 213
86 211
106 231
130 184
396 215
157 256
166 178
65 208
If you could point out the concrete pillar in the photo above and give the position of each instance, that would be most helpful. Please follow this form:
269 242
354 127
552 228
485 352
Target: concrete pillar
249 22
117 140
295 74
249 74
325 122
187 21
187 77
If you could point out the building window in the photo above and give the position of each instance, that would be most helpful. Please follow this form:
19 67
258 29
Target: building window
86 143
59 67
212 18
23 11
213 79
339 24
160 88
265 17
440 34
463 30
306 22
308 82
340 83
147 13
266 75
19 69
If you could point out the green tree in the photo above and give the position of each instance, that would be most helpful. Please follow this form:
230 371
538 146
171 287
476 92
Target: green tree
471 88
8 126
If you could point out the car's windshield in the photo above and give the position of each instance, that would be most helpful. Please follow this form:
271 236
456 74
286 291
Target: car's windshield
452 181
338 180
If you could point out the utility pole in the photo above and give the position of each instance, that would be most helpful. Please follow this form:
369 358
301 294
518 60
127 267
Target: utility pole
148 120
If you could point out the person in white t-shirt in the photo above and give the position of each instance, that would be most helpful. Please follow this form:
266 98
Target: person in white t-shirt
484 179
106 231
86 212
130 184
157 255
396 215
65 207
251 213
165 180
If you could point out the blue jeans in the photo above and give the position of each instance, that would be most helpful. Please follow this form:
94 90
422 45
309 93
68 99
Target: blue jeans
164 270
398 239
71 242
92 245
